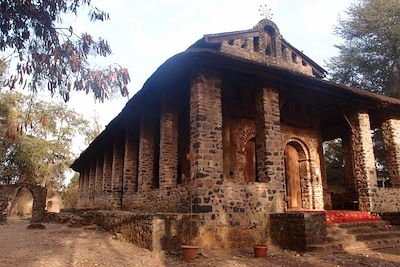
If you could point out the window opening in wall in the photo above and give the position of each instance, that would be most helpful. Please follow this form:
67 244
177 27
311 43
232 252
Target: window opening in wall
304 63
339 175
231 42
380 159
294 58
256 43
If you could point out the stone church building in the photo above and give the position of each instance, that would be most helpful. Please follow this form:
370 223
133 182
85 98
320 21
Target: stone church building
232 130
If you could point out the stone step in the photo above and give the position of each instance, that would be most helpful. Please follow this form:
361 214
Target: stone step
360 235
359 224
379 227
356 245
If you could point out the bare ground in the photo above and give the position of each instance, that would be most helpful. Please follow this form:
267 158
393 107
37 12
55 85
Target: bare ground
60 245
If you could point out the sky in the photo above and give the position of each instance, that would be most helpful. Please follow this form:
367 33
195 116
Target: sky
143 34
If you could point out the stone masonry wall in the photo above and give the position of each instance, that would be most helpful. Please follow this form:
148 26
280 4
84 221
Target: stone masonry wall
9 192
92 182
117 174
297 230
168 163
365 178
103 202
387 199
146 153
130 161
270 163
99 177
174 199
391 140
206 141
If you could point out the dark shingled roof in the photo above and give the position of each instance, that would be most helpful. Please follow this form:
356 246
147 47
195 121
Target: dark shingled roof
182 62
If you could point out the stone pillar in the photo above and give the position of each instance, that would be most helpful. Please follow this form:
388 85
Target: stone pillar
168 145
130 162
269 147
99 176
364 161
81 186
86 184
92 181
117 171
206 150
391 141
107 171
146 153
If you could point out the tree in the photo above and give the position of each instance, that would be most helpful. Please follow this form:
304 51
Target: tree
36 139
93 130
370 54
69 194
52 55
334 162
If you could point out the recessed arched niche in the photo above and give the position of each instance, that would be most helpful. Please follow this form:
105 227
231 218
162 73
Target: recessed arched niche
270 41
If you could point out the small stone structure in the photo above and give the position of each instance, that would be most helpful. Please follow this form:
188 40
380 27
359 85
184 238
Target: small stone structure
8 194
298 231
231 130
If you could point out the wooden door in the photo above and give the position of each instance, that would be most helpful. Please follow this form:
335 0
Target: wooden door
293 186
250 168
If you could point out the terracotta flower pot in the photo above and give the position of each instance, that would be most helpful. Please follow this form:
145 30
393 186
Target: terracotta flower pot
189 252
260 251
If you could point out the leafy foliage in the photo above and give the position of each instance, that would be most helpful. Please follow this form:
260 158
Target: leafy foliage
69 193
52 55
334 163
36 139
370 54
93 131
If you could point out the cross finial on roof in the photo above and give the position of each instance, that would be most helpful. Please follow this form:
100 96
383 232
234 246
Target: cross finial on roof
265 12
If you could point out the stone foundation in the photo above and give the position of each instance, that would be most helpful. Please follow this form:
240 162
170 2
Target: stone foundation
168 231
298 230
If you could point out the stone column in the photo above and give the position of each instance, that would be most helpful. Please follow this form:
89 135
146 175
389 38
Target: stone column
269 147
99 176
364 161
81 186
130 162
92 181
86 185
168 145
117 171
206 152
146 153
107 171
391 141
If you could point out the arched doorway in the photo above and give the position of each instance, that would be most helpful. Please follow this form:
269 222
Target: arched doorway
22 204
297 174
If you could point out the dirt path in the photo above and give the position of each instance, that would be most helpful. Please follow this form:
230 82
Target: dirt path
60 245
